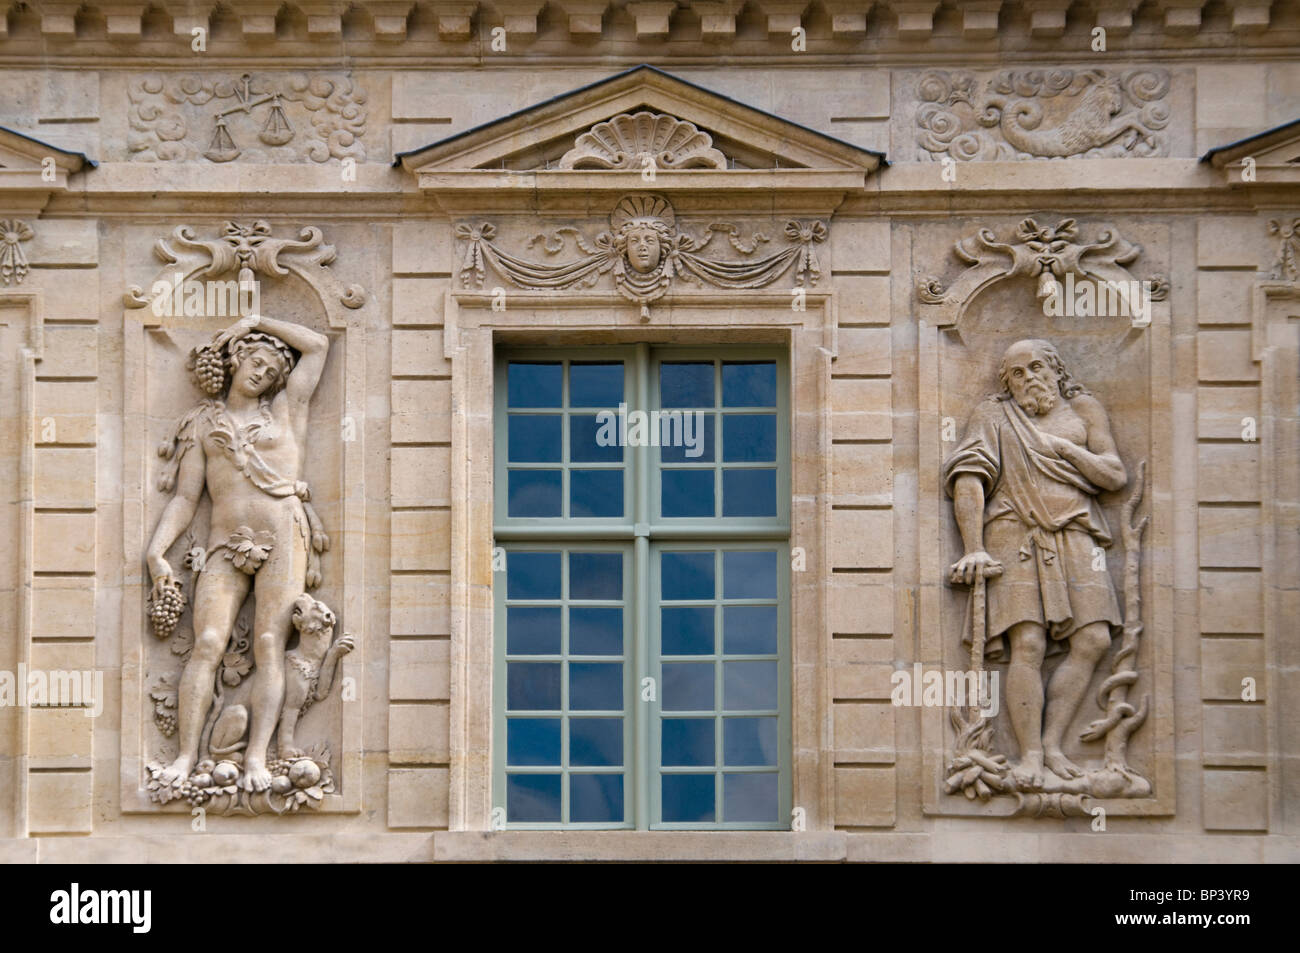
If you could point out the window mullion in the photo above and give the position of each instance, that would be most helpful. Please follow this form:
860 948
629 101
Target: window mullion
641 713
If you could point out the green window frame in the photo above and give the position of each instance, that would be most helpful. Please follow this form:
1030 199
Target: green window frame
667 767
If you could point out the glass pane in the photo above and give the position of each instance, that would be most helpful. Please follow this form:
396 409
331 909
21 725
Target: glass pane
688 686
532 741
534 385
749 742
749 630
532 575
596 385
595 575
686 575
687 742
688 797
688 439
592 440
686 631
687 493
595 797
750 797
534 493
534 438
595 631
686 384
749 574
595 493
748 492
595 686
596 742
533 797
533 630
747 384
532 686
749 438
749 686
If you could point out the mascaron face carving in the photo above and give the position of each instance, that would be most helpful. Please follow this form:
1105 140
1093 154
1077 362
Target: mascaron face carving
646 251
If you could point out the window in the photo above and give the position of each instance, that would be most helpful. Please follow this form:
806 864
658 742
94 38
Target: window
642 675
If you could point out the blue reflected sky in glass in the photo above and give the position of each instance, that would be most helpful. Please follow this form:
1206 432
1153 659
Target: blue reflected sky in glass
533 741
532 575
686 384
595 493
534 438
595 798
749 742
749 686
749 438
686 493
750 797
533 630
687 798
596 385
596 575
687 742
686 630
533 798
595 631
749 630
595 686
532 686
583 448
596 742
703 442
748 492
686 575
534 385
688 686
747 384
749 574
535 493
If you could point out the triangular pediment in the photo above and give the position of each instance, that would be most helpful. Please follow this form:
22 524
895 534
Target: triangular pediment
1272 156
613 125
29 165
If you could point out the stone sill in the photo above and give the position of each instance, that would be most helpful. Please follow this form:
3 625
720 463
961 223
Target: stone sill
971 846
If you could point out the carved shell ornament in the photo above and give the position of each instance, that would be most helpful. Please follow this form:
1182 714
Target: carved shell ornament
629 140
645 251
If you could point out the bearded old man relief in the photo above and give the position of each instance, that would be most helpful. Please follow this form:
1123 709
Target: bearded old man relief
1024 483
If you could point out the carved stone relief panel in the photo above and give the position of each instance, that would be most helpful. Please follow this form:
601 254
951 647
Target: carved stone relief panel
240 705
1036 113
646 251
255 117
1047 464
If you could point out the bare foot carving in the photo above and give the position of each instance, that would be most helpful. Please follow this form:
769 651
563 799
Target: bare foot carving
256 777
1028 774
1062 766
177 771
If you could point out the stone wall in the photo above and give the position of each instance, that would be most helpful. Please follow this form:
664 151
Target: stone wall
117 172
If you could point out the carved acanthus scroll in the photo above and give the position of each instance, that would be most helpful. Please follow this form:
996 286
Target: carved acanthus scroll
646 251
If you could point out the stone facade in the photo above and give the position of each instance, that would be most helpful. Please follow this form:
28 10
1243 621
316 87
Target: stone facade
245 530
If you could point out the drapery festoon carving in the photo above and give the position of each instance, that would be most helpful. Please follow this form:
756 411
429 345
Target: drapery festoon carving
243 445
646 251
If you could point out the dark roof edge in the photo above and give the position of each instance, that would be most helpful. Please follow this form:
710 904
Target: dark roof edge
85 159
879 156
1209 156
